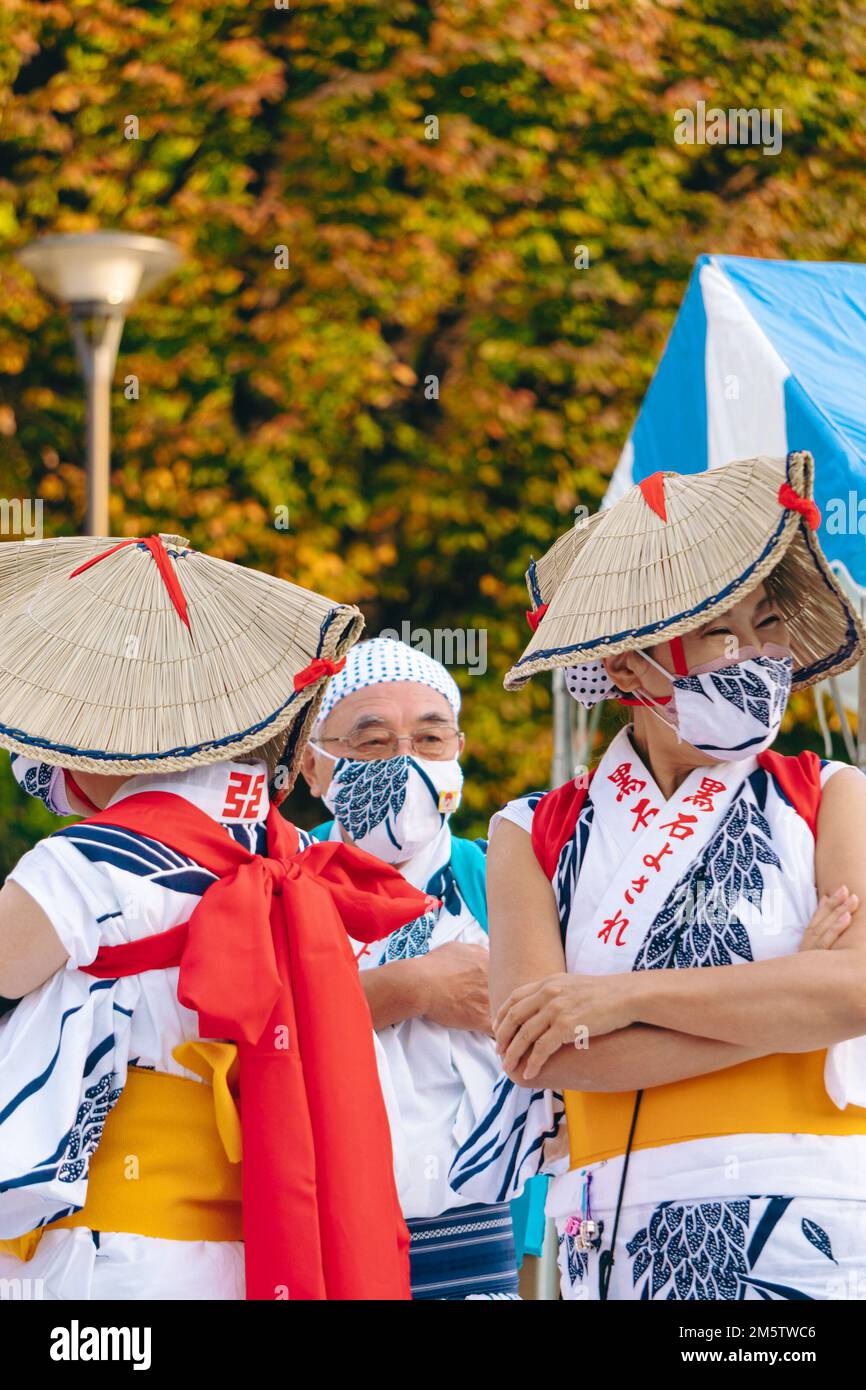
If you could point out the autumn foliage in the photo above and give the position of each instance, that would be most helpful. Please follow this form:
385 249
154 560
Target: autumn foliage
429 385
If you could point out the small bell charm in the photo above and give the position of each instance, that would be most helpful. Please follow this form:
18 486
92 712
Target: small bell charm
585 1234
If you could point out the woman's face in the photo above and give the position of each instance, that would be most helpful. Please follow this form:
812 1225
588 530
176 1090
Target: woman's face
756 619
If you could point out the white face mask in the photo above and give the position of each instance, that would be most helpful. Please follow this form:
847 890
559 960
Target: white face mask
392 807
729 710
43 781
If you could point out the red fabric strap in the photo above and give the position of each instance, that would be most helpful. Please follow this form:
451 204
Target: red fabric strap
679 656
163 563
135 957
554 821
535 615
266 962
73 787
799 780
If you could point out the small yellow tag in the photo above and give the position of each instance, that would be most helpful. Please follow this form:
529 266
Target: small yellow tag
448 802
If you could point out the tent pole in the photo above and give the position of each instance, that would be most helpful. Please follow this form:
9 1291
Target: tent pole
563 748
546 1272
861 704
839 705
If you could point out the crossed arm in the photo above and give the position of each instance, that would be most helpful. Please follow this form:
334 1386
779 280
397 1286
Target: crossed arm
647 1028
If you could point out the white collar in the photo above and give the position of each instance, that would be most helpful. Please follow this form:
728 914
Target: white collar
231 793
622 748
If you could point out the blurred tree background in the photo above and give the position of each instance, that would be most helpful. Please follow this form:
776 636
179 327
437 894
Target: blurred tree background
413 252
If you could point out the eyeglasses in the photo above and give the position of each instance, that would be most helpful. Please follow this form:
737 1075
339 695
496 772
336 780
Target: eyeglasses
433 743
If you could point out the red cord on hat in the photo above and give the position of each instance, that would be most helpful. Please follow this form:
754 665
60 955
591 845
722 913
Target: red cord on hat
76 791
320 666
807 508
535 615
163 563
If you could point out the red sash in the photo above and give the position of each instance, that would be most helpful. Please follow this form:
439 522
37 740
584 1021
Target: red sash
265 960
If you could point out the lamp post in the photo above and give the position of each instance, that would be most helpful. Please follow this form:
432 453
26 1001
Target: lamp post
99 275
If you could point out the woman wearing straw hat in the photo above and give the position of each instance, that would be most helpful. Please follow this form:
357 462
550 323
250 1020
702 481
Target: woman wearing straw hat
716 1116
184 933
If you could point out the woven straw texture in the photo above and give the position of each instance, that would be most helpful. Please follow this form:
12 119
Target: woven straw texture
99 673
627 579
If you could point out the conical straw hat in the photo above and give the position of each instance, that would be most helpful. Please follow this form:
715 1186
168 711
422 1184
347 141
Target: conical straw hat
145 655
678 549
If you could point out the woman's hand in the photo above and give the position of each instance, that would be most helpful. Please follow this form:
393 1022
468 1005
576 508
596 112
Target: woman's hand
832 916
538 1019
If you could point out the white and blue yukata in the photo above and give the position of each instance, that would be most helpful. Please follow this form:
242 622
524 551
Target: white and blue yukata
437 1082
755 1216
66 1047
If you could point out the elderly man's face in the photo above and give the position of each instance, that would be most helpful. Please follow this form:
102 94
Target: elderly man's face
364 723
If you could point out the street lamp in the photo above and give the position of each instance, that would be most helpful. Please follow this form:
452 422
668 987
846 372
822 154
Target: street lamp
99 275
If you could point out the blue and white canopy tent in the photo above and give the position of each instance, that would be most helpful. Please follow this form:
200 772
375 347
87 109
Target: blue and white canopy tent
765 357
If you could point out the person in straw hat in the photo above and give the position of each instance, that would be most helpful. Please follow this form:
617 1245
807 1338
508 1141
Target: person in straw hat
716 1116
183 947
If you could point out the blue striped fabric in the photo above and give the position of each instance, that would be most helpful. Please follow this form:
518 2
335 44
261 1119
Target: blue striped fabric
464 1252
138 854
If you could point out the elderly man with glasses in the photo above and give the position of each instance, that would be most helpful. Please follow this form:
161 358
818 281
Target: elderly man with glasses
384 757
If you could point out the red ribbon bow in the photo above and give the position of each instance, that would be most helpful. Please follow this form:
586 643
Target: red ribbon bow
808 509
163 563
265 960
320 666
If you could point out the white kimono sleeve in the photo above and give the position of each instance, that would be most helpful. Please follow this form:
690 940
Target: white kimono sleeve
63 1049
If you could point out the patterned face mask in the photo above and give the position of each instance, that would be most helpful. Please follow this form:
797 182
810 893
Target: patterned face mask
728 710
393 807
43 781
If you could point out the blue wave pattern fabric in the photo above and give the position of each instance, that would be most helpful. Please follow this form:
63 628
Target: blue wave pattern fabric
42 781
771 1248
370 793
688 931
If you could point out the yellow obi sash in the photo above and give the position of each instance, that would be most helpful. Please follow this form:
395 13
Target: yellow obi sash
780 1094
168 1161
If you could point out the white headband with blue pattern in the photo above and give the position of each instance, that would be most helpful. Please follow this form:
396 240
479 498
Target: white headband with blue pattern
383 659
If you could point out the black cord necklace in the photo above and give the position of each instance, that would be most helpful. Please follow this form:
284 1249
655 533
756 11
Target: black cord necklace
606 1258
